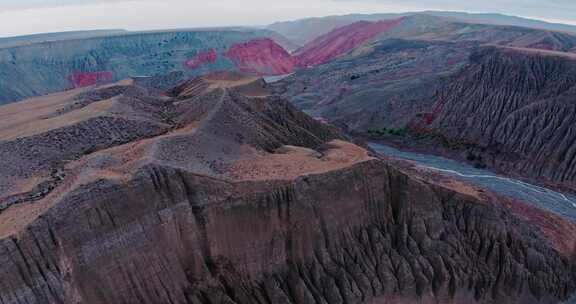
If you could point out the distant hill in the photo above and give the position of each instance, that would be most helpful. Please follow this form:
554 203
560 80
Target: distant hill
42 64
45 37
304 30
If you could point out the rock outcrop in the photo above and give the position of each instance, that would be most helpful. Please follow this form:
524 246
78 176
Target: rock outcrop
261 57
223 193
205 57
80 79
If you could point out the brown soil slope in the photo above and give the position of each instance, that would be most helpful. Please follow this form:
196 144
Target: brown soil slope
216 196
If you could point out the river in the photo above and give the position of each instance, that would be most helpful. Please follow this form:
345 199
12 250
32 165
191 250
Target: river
562 204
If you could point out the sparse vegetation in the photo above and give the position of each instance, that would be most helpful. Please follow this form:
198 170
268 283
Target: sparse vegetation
387 131
480 165
477 159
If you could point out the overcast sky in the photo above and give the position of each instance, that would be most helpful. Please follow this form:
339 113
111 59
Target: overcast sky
18 17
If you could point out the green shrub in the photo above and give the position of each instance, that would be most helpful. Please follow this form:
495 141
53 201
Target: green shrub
387 131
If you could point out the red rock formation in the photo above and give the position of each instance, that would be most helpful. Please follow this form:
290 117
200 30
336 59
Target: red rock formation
205 57
84 79
340 41
261 57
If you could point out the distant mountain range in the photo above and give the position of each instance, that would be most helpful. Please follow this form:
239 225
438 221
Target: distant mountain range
40 64
304 30
45 37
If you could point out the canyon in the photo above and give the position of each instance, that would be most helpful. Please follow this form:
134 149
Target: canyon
220 191
169 167
511 112
382 85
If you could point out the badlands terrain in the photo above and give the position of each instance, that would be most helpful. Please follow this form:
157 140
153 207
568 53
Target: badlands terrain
220 192
232 165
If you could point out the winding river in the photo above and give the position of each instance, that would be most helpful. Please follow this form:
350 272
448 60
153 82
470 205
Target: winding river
560 203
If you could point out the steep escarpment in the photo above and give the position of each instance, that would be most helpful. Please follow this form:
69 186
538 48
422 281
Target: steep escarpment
517 107
45 67
243 199
185 238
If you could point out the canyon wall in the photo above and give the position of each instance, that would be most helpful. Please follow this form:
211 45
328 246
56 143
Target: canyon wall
515 108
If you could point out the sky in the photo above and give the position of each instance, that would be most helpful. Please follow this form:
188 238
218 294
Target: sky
21 17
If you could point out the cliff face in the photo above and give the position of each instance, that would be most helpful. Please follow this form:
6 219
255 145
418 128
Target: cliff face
518 107
41 68
168 236
236 197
